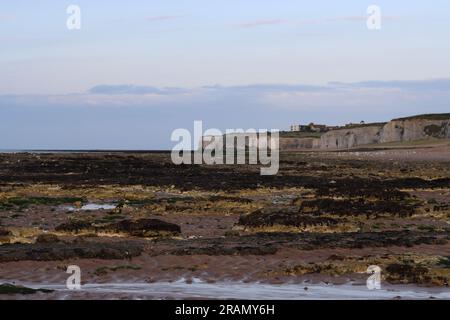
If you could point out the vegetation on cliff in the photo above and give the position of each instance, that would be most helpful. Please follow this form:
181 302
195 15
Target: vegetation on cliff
430 116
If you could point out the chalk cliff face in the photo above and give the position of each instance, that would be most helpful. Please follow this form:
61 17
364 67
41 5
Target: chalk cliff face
299 143
407 129
351 137
415 129
398 130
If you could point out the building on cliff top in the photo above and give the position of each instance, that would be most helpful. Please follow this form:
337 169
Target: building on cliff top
312 127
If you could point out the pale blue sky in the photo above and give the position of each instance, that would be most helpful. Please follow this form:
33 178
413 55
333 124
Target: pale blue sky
47 72
205 42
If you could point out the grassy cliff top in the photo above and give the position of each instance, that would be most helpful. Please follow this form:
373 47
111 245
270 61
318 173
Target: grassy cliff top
297 134
430 116
362 125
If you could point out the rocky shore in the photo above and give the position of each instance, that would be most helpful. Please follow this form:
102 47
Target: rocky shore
135 217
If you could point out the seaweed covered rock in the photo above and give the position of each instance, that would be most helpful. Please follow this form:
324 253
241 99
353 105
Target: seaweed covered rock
47 238
136 228
5 236
345 207
407 273
73 250
10 289
144 227
74 226
5 232
269 217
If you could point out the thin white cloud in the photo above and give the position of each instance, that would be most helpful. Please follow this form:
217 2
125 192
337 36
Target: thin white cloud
358 18
274 22
133 90
289 96
411 85
260 23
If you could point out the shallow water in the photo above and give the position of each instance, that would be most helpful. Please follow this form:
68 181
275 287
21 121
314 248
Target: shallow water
91 207
239 290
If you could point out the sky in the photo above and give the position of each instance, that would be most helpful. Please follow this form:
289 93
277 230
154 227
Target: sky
137 70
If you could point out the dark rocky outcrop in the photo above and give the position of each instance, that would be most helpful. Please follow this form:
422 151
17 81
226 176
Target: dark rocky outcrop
344 207
137 228
75 226
407 273
73 250
5 232
270 242
144 227
268 217
47 238
9 289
